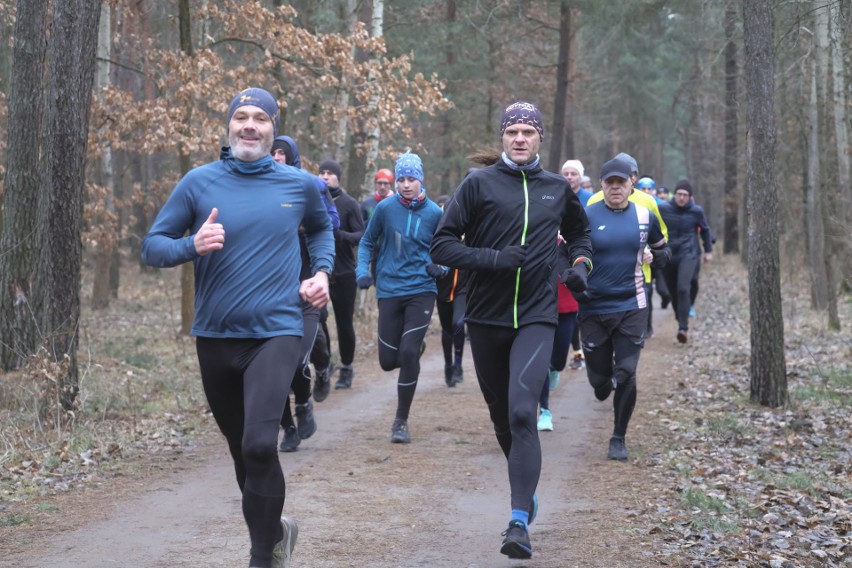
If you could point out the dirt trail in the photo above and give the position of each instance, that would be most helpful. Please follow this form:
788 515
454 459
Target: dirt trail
441 501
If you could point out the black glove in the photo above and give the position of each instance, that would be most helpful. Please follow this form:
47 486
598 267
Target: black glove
581 297
574 278
364 282
436 271
661 257
510 257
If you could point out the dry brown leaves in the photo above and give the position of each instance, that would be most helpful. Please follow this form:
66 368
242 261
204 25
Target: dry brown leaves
747 485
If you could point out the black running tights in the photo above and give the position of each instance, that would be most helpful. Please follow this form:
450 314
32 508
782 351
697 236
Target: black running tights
511 366
343 291
246 382
403 322
301 384
451 316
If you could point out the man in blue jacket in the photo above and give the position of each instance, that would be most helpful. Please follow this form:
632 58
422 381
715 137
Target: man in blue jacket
402 227
242 214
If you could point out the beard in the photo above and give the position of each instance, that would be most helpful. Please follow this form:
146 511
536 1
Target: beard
245 153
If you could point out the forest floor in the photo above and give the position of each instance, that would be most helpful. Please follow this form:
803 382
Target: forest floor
712 479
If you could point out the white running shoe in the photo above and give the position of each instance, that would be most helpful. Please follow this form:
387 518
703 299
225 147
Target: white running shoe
283 551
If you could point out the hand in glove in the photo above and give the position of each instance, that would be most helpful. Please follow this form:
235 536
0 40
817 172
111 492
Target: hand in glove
510 257
436 271
574 278
661 257
364 282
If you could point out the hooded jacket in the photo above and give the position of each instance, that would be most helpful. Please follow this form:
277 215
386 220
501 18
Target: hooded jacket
683 223
496 207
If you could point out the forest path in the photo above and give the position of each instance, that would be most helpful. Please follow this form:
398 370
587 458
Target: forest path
441 501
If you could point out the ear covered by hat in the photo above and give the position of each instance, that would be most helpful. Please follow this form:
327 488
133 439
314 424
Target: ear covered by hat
684 184
522 113
260 98
409 165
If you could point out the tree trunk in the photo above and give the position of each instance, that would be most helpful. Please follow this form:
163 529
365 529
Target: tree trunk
568 138
349 8
102 277
814 226
448 143
733 199
18 321
187 274
768 367
73 43
561 97
843 198
373 134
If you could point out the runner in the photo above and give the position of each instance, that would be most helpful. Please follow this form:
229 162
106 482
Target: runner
509 214
402 228
451 302
684 217
248 320
613 311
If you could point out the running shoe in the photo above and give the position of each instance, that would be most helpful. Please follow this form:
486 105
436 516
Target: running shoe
664 303
692 311
305 420
617 449
545 421
682 336
517 541
291 440
448 376
344 378
282 554
399 432
578 362
533 510
458 374
553 378
322 384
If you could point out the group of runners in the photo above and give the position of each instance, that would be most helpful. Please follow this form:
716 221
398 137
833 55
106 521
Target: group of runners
519 256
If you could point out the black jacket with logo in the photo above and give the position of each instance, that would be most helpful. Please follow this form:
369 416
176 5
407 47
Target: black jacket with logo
495 207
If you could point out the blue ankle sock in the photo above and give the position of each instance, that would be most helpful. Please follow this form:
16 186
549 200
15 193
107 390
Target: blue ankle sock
521 515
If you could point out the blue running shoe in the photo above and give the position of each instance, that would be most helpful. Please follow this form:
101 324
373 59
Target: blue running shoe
691 312
553 379
517 541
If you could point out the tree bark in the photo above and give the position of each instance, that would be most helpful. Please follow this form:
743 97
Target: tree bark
349 8
73 44
187 274
374 134
768 367
18 320
448 143
814 226
102 277
733 199
561 96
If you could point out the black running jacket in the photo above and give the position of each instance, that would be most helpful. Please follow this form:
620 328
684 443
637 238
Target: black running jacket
495 207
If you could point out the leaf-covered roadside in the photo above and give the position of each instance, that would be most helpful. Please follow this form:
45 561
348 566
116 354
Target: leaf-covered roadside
743 484
140 405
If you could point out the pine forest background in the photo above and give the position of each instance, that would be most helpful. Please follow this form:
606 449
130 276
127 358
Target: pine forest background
361 81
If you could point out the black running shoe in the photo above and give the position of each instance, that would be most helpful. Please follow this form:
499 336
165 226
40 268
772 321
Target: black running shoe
305 420
344 377
399 432
517 541
617 449
291 440
322 384
458 374
682 336
448 376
